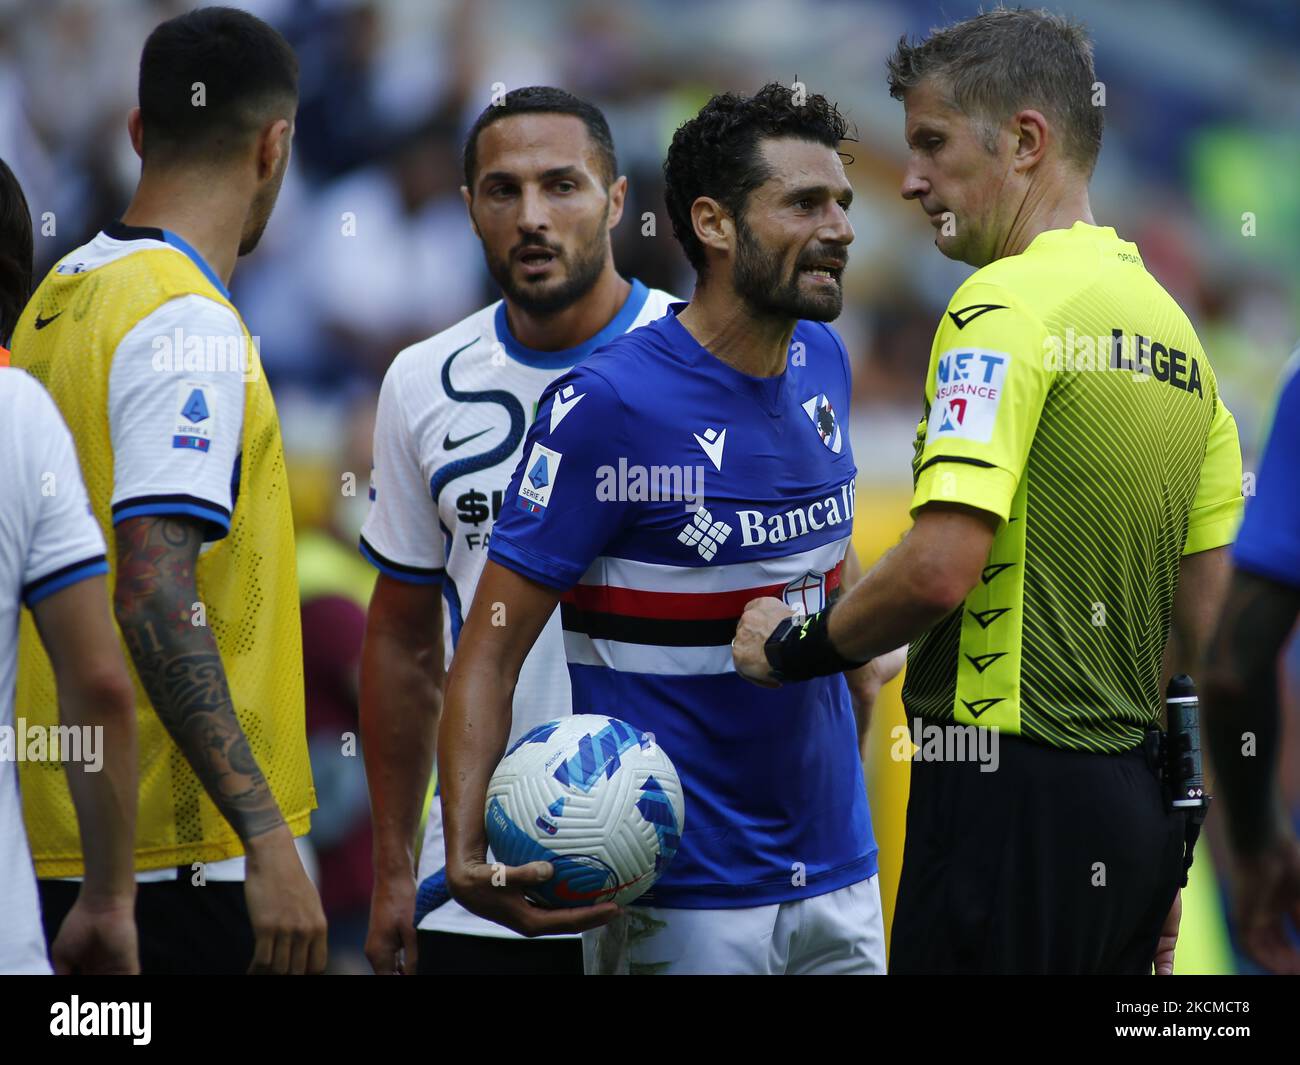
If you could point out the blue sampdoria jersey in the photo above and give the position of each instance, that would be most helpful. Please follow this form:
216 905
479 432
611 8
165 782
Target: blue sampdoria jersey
661 490
1268 543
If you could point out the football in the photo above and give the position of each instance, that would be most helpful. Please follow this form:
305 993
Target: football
594 796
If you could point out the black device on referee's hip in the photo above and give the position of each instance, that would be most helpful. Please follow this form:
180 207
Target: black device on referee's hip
1182 770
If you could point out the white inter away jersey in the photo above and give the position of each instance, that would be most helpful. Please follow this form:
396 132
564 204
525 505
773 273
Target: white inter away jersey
453 412
48 540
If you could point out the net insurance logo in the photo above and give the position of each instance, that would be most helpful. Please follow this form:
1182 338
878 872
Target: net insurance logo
968 390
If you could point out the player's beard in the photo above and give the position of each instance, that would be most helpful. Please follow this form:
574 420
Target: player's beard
585 267
759 281
259 213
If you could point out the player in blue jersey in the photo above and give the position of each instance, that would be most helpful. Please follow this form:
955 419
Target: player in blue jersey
1258 617
543 194
684 469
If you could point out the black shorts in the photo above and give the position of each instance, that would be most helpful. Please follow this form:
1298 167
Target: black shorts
451 954
183 929
1057 862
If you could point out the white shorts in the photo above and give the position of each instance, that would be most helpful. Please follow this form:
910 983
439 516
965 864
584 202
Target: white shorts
839 933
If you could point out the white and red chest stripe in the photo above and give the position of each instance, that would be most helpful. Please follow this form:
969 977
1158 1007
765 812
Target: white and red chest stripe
645 617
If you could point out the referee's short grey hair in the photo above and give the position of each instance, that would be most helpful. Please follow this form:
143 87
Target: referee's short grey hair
995 63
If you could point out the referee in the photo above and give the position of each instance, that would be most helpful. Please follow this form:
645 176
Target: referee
1077 480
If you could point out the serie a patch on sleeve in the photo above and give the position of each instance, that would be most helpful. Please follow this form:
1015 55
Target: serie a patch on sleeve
967 392
196 403
539 479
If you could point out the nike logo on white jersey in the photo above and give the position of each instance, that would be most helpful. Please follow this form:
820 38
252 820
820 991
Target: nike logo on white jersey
713 442
563 402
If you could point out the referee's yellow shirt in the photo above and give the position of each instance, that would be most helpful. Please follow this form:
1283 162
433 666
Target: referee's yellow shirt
1068 395
247 581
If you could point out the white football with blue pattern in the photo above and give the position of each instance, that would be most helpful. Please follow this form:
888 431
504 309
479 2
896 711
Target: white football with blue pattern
594 796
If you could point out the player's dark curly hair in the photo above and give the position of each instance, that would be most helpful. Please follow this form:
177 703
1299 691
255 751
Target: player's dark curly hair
15 251
716 153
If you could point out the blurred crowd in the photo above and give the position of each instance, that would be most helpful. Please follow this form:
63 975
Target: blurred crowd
369 248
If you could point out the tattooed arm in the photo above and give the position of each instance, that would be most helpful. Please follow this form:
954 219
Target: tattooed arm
1243 733
181 670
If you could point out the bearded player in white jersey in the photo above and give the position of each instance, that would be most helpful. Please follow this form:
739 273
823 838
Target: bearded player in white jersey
543 194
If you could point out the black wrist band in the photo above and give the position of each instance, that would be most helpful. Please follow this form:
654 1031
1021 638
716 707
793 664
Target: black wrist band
800 649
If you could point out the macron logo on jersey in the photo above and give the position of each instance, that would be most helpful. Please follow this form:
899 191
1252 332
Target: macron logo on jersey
563 402
967 393
713 442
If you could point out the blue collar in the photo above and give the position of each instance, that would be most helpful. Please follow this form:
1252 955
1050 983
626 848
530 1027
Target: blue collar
121 231
554 360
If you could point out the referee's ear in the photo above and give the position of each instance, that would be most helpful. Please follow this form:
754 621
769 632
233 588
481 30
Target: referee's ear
1033 136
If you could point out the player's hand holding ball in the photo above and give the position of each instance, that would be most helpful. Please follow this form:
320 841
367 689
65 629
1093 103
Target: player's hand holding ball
584 814
504 894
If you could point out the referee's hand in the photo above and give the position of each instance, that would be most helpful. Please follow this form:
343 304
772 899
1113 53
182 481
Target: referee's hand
1164 959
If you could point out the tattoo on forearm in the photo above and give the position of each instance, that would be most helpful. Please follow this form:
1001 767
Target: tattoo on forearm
181 669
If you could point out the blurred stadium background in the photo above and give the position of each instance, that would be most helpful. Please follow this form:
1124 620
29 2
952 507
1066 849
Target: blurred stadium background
1199 165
